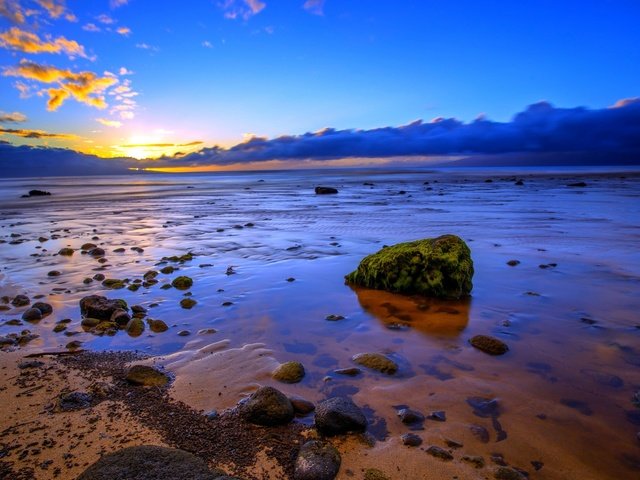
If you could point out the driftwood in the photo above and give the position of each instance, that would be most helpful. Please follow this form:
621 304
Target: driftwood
55 354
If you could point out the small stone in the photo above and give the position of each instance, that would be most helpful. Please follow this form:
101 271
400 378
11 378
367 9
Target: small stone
167 270
98 277
334 318
73 401
90 322
88 246
409 416
59 328
30 364
513 263
351 371
146 376
267 406
207 331
135 327
411 440
67 252
121 317
508 473
158 326
73 345
20 301
453 443
339 415
480 433
54 273
317 461
301 406
184 333
325 190
475 460
289 372
375 474
376 361
182 283
438 416
439 452
32 315
138 309
97 252
490 345
188 303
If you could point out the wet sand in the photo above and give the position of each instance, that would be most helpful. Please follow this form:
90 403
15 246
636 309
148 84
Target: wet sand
563 391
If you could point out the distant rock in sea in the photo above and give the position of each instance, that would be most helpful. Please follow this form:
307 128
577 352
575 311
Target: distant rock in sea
36 193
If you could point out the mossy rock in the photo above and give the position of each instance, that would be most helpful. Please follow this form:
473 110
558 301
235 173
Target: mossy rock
90 322
146 376
182 282
188 303
157 326
67 252
289 372
374 474
490 345
135 327
435 267
113 283
168 270
376 361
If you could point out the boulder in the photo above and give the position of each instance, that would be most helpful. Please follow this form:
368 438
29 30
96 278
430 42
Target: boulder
376 361
289 372
120 316
157 326
32 315
435 267
146 376
339 415
182 282
149 462
96 306
45 308
267 406
135 327
317 461
20 301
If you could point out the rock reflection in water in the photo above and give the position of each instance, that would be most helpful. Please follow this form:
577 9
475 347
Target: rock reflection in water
427 315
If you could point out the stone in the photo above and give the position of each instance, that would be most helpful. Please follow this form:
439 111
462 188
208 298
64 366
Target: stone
32 315
45 308
375 474
96 306
88 246
325 190
301 406
90 322
376 361
289 372
490 345
188 303
53 273
333 317
73 401
317 460
20 301
267 406
351 371
146 376
97 252
438 416
113 283
411 440
508 473
157 326
435 267
120 316
182 283
168 269
474 460
184 333
138 309
440 453
135 327
513 263
339 415
149 462
409 416
67 252
37 193
577 184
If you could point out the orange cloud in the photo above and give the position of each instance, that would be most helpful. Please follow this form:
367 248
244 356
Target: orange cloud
109 123
125 31
86 87
242 8
23 41
11 10
35 133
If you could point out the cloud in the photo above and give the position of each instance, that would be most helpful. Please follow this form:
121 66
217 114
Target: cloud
27 42
315 7
85 87
146 46
243 9
160 145
124 71
90 27
35 134
207 44
541 128
109 123
124 31
57 9
117 3
15 117
11 10
106 19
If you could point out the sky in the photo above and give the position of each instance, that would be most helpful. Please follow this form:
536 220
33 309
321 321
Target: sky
228 82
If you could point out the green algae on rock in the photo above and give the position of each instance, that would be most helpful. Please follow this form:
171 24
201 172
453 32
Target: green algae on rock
289 372
376 361
182 283
435 267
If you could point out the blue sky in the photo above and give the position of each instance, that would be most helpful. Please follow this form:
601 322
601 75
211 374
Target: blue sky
216 72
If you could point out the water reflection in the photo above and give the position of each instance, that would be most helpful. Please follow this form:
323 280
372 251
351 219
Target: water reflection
427 315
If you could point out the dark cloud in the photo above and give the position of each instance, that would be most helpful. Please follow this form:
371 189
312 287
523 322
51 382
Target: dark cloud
541 128
21 132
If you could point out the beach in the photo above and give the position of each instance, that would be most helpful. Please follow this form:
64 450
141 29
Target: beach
557 277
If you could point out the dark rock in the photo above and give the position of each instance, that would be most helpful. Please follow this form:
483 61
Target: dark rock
157 326
438 416
97 252
53 273
339 415
325 190
289 372
20 301
475 460
490 345
317 461
96 306
73 401
184 333
113 283
577 184
334 318
408 416
301 406
182 283
435 267
90 322
30 364
66 252
37 193
267 406
351 371
32 315
135 327
146 376
168 270
411 440
120 316
508 473
88 246
513 263
480 433
376 361
149 462
98 277
452 443
439 452
519 183
138 309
